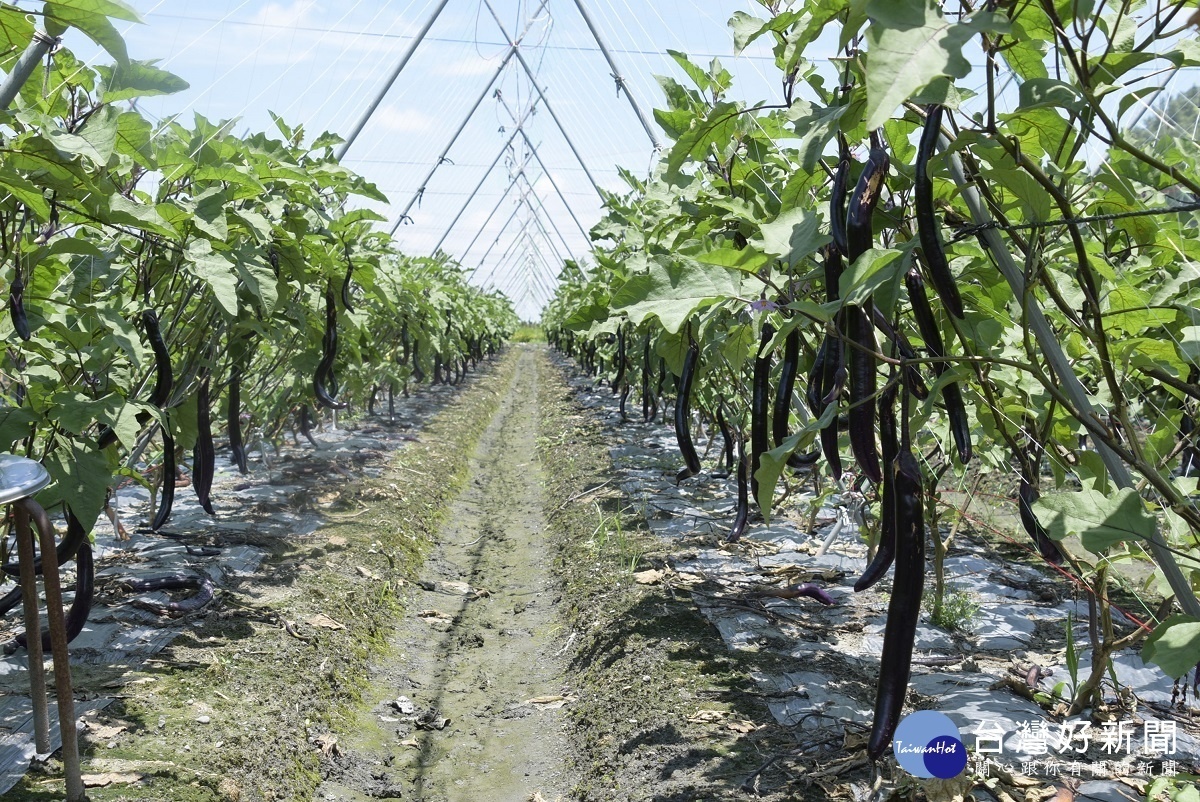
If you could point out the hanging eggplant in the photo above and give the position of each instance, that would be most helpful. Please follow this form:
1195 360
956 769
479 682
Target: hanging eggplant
204 455
683 415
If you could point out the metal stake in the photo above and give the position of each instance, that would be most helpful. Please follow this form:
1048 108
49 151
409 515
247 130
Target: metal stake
37 48
58 647
545 102
616 74
366 115
33 629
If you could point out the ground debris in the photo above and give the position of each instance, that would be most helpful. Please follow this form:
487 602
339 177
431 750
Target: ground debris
327 743
650 577
550 702
108 778
325 622
707 716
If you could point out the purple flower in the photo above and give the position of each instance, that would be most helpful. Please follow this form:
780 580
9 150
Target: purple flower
763 305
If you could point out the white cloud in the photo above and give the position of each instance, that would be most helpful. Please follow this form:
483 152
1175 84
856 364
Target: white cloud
395 120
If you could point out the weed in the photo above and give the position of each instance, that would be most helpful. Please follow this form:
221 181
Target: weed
612 542
958 611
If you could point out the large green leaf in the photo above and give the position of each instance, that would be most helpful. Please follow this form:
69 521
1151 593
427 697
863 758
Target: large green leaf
93 25
792 236
125 212
910 44
82 476
1101 520
107 8
138 79
674 290
1174 646
16 29
217 272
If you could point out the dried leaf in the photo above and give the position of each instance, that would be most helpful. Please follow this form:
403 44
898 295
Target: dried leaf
650 577
742 726
110 778
707 716
322 620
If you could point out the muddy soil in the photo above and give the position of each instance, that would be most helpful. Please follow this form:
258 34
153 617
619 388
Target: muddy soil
469 703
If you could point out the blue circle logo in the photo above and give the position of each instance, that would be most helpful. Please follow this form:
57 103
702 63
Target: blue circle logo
928 744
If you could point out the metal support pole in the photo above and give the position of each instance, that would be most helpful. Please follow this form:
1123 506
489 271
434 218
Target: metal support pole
513 246
553 248
37 48
473 192
63 693
616 74
505 276
547 276
546 170
512 183
554 184
546 214
454 138
1048 341
550 243
33 629
513 49
516 209
545 102
412 48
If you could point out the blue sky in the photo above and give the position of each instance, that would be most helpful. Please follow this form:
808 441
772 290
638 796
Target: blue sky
319 63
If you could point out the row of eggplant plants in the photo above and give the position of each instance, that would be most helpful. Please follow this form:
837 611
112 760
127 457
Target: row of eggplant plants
175 287
917 287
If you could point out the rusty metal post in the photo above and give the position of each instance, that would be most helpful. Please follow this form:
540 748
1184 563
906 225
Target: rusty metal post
33 629
58 648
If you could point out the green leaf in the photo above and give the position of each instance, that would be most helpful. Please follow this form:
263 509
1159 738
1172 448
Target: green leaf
771 464
16 423
25 191
910 44
133 138
694 144
95 26
750 260
138 79
1101 520
792 236
259 280
15 28
209 214
1174 646
82 476
100 132
673 291
124 211
699 77
868 273
216 271
107 8
1037 92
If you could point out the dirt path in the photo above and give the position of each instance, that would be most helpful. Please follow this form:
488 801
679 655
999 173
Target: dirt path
452 716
